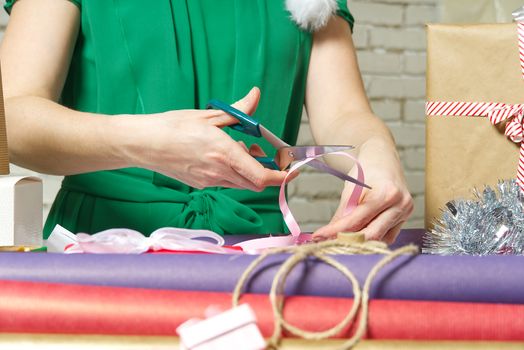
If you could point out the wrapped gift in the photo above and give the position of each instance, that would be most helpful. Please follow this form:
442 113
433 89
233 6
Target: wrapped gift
233 329
475 88
20 211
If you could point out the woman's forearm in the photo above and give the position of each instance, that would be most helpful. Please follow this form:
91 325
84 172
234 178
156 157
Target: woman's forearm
49 138
187 145
365 131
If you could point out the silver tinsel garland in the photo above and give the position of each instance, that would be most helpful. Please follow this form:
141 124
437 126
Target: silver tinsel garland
492 223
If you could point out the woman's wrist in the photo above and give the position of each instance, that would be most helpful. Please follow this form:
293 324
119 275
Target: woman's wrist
127 140
380 145
381 153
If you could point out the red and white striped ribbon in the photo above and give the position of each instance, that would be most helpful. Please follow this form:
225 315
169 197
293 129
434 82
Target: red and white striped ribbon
496 113
520 29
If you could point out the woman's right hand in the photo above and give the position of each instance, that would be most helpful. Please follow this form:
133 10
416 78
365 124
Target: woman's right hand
190 146
49 138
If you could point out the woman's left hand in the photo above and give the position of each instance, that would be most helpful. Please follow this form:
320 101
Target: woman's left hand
382 210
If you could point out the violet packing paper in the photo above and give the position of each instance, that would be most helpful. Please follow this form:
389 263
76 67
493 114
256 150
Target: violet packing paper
491 279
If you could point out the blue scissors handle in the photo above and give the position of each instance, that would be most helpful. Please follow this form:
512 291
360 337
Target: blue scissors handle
268 163
246 124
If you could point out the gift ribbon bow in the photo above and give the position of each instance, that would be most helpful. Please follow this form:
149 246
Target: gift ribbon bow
495 112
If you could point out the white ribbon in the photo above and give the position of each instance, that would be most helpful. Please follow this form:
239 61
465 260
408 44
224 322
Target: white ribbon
126 241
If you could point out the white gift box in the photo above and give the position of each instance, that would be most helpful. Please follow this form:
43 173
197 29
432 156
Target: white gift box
234 329
20 211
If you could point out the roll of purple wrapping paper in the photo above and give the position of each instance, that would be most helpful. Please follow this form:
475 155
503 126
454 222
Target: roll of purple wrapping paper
490 279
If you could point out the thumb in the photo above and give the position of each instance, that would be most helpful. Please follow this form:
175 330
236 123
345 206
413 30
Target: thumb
248 104
344 198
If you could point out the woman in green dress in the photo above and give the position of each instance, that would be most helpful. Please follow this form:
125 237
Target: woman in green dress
112 94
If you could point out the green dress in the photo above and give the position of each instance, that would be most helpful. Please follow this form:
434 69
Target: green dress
141 57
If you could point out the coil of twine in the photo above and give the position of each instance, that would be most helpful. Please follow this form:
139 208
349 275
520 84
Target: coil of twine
349 245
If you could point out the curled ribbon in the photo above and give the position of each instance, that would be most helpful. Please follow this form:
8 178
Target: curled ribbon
255 246
496 113
125 241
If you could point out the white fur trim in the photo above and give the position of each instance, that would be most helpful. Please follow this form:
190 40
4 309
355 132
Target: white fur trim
311 14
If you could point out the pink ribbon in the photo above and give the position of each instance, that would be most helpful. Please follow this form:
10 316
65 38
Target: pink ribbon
255 246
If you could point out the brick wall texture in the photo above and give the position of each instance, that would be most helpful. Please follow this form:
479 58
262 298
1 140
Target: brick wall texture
390 39
391 44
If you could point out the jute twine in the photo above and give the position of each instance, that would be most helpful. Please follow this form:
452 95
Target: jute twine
322 251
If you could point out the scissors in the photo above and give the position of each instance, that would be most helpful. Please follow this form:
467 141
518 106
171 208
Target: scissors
286 154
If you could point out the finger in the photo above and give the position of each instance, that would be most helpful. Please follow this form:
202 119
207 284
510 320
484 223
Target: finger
248 104
243 145
348 190
251 170
228 184
232 179
257 151
293 176
391 236
383 223
356 221
344 198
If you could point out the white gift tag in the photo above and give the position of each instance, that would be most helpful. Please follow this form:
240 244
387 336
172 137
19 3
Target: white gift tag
234 329
21 211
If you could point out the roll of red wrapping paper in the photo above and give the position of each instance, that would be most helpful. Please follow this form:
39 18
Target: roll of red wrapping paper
32 307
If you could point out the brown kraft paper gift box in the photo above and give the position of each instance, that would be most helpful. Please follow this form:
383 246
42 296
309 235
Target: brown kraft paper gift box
469 63
4 159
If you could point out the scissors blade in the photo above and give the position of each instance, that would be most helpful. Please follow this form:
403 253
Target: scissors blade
303 152
273 140
317 164
287 155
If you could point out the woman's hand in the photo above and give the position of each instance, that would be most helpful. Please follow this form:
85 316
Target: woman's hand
44 136
190 146
382 210
339 113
